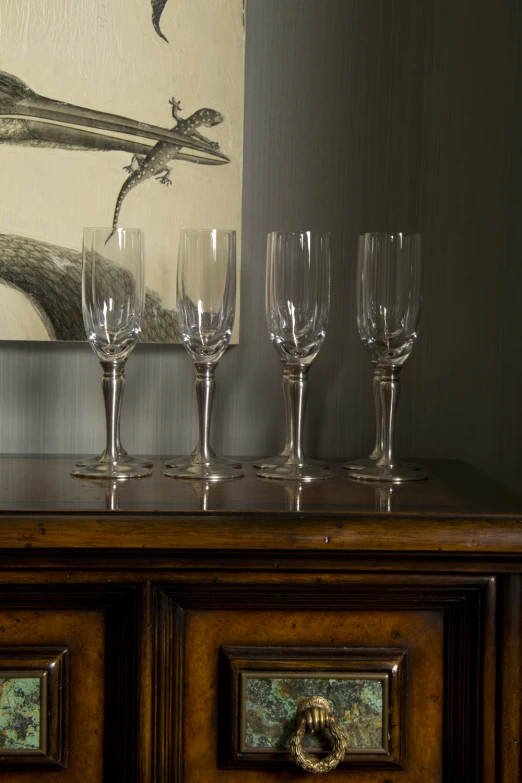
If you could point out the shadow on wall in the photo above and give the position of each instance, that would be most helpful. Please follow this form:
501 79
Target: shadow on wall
50 278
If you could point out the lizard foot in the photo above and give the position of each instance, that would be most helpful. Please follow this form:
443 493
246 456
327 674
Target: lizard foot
129 169
213 144
164 180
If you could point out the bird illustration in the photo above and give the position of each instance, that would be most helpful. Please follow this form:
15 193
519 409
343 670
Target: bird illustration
32 120
50 277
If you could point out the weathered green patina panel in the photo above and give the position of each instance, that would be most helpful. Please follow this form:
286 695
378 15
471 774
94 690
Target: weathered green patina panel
20 713
271 703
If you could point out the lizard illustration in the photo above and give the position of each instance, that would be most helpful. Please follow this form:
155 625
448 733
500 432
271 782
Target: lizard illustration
154 164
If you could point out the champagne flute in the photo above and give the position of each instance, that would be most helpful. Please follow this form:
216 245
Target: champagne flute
206 302
113 298
388 308
297 308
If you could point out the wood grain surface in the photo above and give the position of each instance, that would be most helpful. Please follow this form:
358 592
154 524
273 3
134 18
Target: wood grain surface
421 636
458 509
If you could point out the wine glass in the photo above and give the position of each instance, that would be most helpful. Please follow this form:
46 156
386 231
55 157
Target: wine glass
297 308
113 298
206 303
388 308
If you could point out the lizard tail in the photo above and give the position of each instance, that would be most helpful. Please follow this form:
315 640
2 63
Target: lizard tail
117 209
110 235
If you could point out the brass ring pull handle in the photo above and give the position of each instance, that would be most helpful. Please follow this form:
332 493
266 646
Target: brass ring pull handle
317 713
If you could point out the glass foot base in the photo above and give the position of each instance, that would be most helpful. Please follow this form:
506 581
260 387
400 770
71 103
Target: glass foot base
356 464
396 475
204 472
123 458
177 462
306 471
112 470
282 459
368 462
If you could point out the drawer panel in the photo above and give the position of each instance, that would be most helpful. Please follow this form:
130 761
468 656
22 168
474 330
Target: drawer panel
93 712
82 634
208 632
440 629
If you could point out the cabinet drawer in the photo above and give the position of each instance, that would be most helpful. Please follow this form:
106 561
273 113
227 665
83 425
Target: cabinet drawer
431 631
68 665
168 679
81 636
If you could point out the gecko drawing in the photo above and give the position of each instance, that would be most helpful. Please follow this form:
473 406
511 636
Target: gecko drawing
155 163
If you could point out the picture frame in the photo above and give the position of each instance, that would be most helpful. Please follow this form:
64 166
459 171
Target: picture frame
34 707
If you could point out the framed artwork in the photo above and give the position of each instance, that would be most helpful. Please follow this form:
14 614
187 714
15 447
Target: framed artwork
34 698
112 113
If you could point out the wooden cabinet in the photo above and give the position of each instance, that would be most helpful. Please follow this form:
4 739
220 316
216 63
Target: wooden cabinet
159 631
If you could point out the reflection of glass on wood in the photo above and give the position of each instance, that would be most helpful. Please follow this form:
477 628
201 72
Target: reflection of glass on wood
20 707
271 705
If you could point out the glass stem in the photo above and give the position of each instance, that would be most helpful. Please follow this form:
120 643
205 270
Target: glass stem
389 388
289 422
384 497
294 495
297 394
377 449
205 385
112 496
113 382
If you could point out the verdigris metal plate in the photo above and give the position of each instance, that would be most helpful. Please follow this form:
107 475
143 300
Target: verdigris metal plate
20 713
269 704
261 688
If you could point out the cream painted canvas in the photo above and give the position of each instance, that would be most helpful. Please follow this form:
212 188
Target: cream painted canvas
87 89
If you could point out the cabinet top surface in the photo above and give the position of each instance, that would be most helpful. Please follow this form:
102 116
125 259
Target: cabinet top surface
43 506
45 484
